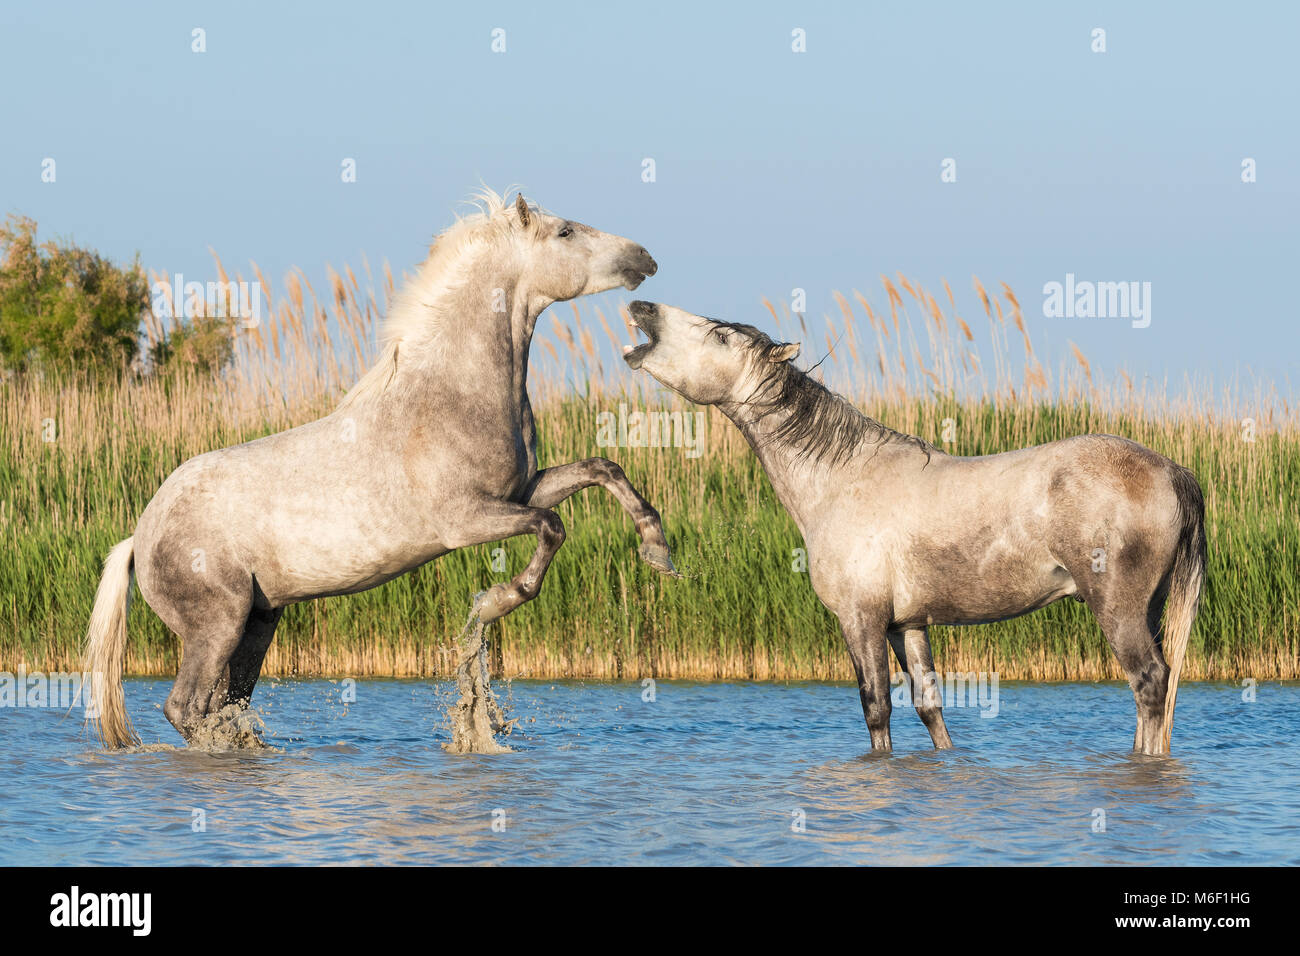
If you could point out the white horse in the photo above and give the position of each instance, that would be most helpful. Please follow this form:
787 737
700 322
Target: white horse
433 449
901 536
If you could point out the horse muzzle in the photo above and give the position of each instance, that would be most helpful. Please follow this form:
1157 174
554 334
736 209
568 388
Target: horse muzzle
639 267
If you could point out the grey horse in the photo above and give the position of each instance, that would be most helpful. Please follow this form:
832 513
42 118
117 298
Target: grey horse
900 535
433 449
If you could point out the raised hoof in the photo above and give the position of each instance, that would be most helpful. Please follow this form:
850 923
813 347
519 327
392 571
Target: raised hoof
492 603
657 556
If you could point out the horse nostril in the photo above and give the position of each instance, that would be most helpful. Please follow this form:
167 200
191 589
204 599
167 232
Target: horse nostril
651 267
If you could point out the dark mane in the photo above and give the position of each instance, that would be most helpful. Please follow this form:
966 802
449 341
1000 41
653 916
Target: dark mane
821 426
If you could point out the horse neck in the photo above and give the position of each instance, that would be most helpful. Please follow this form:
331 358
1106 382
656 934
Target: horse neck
798 482
802 478
466 330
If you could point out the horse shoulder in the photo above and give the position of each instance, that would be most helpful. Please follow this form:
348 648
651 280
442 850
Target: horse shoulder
848 560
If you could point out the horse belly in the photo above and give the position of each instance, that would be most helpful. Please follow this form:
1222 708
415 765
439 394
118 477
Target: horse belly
1000 584
345 555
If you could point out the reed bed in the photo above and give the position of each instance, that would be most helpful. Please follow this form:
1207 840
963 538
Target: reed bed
970 383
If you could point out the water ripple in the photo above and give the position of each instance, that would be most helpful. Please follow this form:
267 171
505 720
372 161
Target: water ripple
707 773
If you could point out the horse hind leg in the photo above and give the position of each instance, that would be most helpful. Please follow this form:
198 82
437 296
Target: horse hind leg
204 680
245 665
1126 594
912 648
497 520
1148 675
1132 632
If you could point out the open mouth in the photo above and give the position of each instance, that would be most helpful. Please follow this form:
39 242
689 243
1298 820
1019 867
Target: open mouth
635 356
641 313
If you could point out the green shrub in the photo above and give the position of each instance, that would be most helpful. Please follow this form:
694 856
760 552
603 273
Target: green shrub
64 309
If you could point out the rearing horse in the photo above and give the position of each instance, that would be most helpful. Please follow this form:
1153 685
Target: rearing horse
433 449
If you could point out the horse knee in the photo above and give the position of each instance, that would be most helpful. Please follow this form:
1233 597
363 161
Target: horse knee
611 471
551 533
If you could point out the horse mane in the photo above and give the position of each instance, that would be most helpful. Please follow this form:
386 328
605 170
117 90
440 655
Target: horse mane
821 425
416 317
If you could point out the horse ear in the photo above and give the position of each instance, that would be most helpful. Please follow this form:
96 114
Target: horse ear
522 208
783 353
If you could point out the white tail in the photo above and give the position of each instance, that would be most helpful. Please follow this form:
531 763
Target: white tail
105 650
1184 589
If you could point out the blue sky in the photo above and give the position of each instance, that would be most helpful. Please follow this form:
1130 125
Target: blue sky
774 169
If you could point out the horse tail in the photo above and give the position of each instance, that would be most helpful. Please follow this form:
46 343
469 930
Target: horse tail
1186 582
105 648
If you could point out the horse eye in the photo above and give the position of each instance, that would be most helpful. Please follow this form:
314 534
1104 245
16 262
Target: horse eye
566 232
722 337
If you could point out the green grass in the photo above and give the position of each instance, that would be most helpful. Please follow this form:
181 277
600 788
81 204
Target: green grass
742 609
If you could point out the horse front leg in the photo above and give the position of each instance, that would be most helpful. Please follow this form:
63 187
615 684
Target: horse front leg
912 648
553 485
496 520
864 632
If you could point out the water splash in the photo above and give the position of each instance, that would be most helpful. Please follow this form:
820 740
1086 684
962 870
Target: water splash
233 727
477 717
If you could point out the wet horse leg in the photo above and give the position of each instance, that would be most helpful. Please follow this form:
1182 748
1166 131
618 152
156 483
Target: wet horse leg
246 663
201 681
495 520
912 648
553 485
1127 602
864 633
1134 642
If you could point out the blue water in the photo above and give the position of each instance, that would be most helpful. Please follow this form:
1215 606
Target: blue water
706 773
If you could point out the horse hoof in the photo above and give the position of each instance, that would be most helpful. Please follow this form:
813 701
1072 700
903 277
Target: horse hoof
491 604
657 556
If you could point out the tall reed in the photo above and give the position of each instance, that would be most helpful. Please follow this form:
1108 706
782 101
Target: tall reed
78 463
